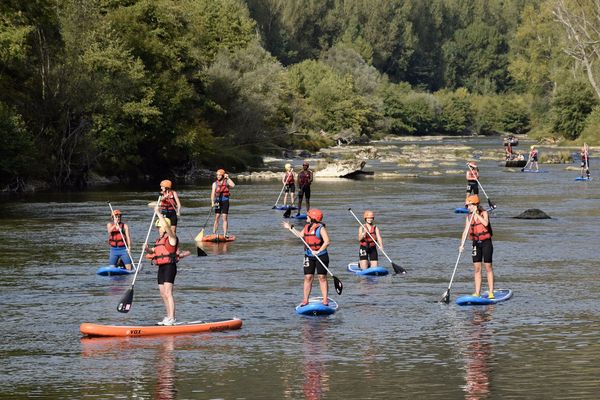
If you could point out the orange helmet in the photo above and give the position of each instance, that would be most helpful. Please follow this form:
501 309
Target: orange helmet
369 214
166 184
221 171
315 214
117 212
472 199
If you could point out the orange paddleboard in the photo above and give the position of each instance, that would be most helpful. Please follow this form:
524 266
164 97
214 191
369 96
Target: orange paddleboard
89 329
218 238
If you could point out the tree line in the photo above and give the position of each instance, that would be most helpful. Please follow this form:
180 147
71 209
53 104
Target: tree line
150 88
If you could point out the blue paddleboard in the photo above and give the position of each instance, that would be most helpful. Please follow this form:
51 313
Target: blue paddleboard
463 210
300 216
288 207
535 171
499 295
315 307
112 271
583 178
371 271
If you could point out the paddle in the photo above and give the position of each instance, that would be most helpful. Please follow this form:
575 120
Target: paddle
528 161
288 213
127 299
336 282
446 297
112 212
278 197
492 205
397 269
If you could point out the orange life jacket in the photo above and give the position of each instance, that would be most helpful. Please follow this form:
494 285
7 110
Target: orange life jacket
472 175
367 241
164 252
479 232
222 190
304 177
168 202
313 238
289 178
115 239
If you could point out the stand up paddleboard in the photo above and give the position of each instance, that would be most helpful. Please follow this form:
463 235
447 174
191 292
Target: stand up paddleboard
499 295
113 271
287 207
463 210
583 178
371 271
218 238
535 171
315 307
300 216
89 329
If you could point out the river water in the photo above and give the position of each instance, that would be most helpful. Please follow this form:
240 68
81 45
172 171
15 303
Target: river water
389 339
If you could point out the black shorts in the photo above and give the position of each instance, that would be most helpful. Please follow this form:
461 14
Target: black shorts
534 159
172 215
166 273
222 207
583 164
291 188
482 251
368 253
304 191
472 187
311 264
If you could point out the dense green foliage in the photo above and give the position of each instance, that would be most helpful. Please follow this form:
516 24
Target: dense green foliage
157 88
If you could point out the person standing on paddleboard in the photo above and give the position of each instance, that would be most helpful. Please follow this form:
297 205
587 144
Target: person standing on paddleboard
585 160
472 177
316 236
289 178
170 207
367 252
119 240
164 255
533 158
305 178
219 199
479 229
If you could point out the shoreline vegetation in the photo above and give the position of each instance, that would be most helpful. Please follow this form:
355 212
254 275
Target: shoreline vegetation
132 91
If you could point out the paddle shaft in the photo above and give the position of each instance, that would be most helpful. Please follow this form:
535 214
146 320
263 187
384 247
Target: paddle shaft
369 233
308 247
139 266
462 243
123 236
278 197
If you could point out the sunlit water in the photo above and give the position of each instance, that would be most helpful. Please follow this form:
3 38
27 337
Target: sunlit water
389 339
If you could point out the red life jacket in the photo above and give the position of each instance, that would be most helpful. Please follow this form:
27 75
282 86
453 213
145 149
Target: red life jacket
115 239
304 177
289 178
584 155
367 241
164 252
479 232
472 175
534 153
168 202
222 190
310 236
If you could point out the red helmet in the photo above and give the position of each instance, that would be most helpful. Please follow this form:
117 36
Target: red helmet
315 214
472 199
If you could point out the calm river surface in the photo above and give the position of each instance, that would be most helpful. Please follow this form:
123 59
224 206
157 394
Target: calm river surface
389 339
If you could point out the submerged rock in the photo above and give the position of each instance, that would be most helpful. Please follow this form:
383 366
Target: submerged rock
533 213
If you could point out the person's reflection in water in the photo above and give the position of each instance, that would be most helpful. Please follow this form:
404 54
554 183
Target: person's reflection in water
314 346
165 367
478 354
215 248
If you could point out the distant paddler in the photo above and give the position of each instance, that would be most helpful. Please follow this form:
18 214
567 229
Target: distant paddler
119 241
479 229
170 207
289 179
533 158
585 160
472 176
219 199
367 252
305 179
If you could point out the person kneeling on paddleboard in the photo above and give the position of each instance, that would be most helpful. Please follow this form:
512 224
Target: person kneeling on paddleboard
316 236
170 206
472 177
219 199
289 178
367 253
164 255
479 229
119 241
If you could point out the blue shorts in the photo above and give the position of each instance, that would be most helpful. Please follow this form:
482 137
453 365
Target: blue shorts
116 253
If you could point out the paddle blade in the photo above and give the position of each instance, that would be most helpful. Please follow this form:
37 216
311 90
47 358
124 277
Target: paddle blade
338 285
398 269
199 236
201 253
492 205
446 297
287 213
126 301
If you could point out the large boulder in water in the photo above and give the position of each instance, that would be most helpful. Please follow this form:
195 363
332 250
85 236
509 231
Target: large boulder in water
341 169
533 213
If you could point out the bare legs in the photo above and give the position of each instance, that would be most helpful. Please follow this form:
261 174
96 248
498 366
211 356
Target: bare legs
166 292
308 280
477 275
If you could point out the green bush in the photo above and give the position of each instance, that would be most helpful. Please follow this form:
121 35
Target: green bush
571 107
